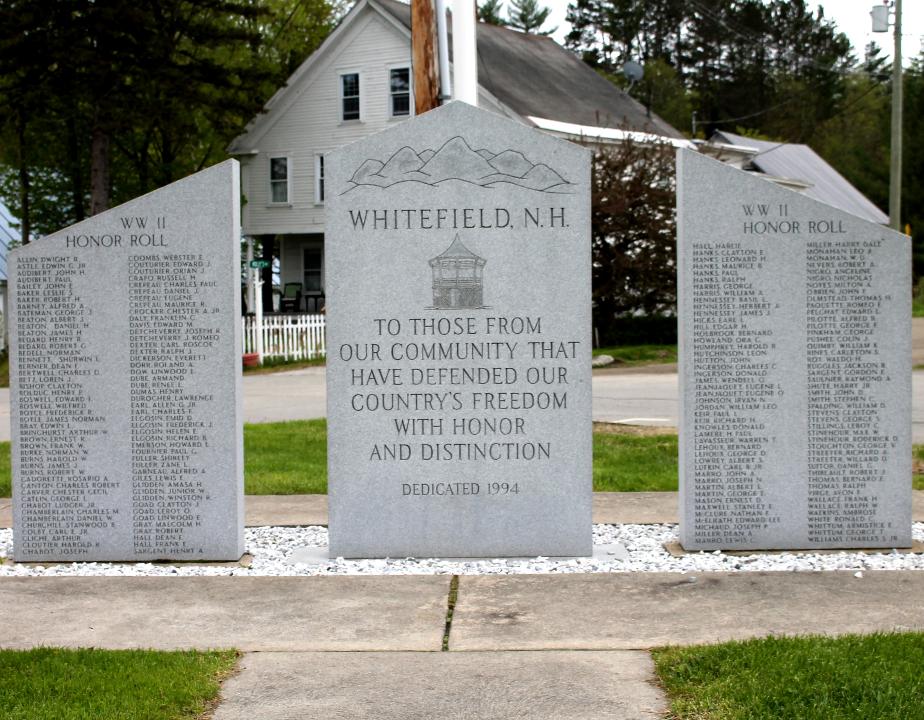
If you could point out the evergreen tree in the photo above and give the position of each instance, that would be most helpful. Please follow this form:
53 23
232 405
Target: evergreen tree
772 65
489 12
526 15
115 99
913 160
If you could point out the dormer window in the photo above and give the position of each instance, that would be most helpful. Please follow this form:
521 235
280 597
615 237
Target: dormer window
349 96
279 180
400 87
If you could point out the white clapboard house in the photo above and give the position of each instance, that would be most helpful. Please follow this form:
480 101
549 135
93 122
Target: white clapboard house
358 83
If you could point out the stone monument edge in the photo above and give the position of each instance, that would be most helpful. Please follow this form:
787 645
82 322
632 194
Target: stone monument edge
232 166
687 163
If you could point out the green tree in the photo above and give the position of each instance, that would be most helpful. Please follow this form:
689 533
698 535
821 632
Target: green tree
490 12
27 73
526 15
633 230
855 140
913 160
772 65
661 91
117 98
290 32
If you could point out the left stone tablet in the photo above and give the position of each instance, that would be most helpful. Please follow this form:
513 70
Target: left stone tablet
125 353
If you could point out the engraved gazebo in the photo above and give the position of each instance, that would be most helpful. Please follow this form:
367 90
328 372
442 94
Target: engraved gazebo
457 277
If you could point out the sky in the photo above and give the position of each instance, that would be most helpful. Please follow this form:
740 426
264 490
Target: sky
851 16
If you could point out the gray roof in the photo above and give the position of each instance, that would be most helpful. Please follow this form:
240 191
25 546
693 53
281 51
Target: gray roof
800 162
535 76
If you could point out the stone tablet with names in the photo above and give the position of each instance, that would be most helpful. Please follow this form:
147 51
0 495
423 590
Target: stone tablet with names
125 380
458 286
795 368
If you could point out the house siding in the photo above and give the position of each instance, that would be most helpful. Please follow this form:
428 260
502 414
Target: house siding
311 125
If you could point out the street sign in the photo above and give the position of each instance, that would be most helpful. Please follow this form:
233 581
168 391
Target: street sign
259 264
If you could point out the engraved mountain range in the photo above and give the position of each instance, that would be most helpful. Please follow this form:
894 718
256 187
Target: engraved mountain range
456 160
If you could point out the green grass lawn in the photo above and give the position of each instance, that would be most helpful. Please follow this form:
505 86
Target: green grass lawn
628 355
917 301
275 365
285 458
628 463
917 466
870 677
290 458
56 684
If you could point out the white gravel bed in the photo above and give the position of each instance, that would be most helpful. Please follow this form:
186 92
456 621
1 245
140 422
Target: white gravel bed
272 548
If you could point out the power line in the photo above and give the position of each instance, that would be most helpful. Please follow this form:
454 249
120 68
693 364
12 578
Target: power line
753 114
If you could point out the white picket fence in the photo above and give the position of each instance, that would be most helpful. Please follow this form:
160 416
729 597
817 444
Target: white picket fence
293 337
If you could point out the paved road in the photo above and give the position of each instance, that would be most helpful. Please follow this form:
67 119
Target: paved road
638 398
295 395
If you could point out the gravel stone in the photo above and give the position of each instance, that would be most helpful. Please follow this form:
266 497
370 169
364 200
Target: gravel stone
276 550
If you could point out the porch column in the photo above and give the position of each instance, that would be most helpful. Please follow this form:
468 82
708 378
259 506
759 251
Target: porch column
268 244
248 275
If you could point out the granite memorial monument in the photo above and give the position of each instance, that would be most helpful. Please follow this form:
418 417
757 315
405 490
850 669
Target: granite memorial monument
125 377
795 368
458 296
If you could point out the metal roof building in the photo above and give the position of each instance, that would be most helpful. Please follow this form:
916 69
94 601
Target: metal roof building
797 166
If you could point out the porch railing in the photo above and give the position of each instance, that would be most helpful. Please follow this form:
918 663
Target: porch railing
297 336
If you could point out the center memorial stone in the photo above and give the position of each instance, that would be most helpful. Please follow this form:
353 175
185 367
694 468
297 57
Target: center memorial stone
795 374
125 378
458 276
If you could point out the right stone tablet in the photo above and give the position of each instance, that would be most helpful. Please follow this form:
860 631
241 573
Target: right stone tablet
795 368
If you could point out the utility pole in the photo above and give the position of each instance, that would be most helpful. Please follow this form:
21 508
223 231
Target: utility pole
895 176
423 29
880 15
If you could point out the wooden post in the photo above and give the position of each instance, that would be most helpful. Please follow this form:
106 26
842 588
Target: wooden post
423 31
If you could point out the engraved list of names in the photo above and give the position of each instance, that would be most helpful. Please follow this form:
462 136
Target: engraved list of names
795 369
125 381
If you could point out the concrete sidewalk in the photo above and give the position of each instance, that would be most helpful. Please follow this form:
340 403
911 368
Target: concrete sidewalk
448 686
541 646
615 611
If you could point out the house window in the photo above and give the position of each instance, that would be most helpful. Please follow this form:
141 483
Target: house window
279 179
312 265
319 179
349 94
400 85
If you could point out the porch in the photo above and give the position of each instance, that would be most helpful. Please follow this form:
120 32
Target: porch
293 274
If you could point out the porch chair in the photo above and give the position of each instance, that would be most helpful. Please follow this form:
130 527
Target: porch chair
291 300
